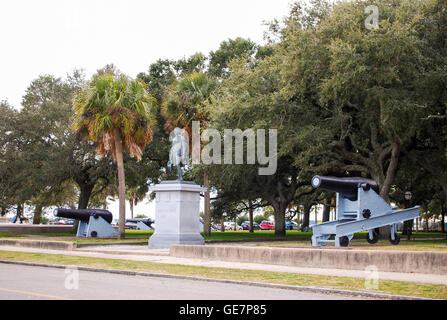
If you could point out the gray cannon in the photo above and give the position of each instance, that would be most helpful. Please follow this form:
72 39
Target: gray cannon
142 224
93 223
359 208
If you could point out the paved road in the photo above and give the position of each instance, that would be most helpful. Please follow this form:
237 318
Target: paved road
26 282
141 253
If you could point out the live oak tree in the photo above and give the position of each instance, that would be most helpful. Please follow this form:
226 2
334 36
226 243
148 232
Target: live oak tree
118 114
44 164
228 50
9 152
250 99
365 89
36 146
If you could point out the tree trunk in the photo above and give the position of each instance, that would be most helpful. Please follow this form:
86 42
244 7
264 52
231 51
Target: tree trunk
385 185
409 229
443 222
280 220
250 215
207 209
37 214
121 184
443 210
327 210
84 198
222 225
444 207
19 213
131 207
235 223
405 228
306 215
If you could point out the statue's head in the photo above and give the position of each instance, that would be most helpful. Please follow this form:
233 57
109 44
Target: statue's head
177 131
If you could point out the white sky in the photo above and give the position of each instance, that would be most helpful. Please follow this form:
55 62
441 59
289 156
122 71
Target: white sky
56 36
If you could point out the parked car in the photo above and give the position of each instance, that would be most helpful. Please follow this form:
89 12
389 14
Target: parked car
230 226
213 227
246 225
65 222
291 225
267 225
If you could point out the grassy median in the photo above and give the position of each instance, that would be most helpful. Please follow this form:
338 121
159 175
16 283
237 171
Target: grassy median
358 284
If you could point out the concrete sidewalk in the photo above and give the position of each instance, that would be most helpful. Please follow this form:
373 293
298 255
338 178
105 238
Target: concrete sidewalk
142 253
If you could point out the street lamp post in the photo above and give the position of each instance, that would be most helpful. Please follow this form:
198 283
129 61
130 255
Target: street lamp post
408 224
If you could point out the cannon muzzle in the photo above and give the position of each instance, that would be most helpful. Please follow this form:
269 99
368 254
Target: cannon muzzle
347 187
83 214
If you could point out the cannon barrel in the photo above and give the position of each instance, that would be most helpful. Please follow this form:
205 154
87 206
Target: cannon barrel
347 187
83 214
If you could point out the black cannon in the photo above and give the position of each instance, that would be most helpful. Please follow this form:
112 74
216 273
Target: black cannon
83 214
347 187
359 208
92 222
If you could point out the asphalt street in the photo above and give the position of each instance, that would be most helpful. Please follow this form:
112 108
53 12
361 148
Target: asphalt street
27 282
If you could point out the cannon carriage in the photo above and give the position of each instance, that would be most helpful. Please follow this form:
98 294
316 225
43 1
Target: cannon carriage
358 208
93 223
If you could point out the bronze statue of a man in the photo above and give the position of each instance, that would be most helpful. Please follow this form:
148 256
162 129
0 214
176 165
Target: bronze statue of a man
178 155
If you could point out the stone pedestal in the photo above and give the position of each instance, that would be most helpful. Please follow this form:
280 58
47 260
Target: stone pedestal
177 214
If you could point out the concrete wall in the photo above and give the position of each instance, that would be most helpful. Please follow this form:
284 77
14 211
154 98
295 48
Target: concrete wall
385 261
17 227
42 244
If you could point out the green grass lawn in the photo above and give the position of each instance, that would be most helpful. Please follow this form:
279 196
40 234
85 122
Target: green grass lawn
347 283
411 245
137 235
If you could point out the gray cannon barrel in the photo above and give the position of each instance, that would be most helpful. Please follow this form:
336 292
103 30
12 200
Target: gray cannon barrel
83 214
347 187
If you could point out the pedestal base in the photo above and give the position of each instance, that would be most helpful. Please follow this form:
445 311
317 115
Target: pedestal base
177 214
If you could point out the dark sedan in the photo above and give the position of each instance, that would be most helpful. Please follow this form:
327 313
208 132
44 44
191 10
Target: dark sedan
246 226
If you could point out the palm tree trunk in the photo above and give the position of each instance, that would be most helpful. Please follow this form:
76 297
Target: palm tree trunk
121 183
131 207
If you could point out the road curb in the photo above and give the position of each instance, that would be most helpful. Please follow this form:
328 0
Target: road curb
249 283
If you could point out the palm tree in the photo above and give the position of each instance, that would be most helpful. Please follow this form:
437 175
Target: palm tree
134 195
117 113
186 103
